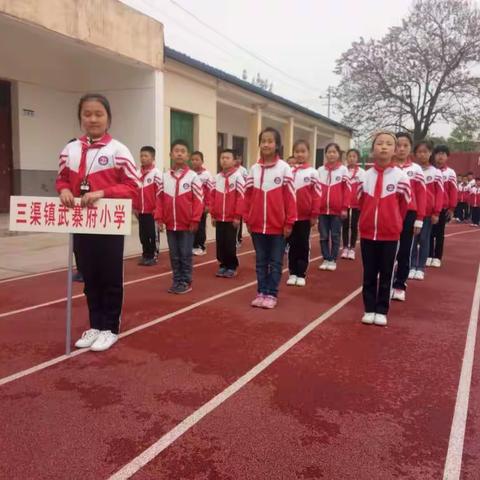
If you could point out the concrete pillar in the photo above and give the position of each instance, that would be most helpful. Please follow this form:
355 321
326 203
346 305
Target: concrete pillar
288 137
255 129
313 144
164 163
161 141
229 140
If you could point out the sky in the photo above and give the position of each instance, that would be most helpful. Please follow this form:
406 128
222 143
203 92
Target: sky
294 44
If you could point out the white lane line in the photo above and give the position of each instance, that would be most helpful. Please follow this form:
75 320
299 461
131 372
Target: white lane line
63 269
166 440
130 282
453 462
463 232
156 321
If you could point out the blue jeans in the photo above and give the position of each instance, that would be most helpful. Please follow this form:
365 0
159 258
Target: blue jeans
329 227
421 246
269 251
180 244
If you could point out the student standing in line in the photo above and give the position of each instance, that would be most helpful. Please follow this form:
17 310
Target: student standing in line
350 224
244 172
384 195
413 221
197 161
462 209
93 167
334 205
433 207
309 193
144 205
179 208
226 210
450 197
270 212
475 203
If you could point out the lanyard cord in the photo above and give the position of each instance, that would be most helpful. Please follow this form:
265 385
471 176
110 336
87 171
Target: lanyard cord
85 178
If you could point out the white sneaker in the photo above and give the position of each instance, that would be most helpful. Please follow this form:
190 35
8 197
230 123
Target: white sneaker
412 274
351 254
398 295
104 341
301 282
368 318
419 275
292 280
324 265
199 252
344 253
436 262
87 338
332 266
429 262
380 320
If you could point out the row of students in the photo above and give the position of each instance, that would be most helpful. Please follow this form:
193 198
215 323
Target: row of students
275 202
468 201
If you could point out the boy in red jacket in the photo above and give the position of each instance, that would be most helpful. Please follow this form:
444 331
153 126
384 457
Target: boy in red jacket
226 209
270 212
199 247
179 208
384 195
144 205
336 193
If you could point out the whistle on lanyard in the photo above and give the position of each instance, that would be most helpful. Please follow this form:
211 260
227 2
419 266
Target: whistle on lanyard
84 187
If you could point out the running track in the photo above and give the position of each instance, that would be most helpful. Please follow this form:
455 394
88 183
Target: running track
205 387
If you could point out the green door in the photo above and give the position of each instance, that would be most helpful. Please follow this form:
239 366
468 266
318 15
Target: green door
181 127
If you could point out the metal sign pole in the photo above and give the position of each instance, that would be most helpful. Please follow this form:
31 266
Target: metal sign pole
68 335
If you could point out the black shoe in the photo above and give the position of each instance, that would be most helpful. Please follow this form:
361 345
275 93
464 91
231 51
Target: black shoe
150 262
221 272
77 277
141 261
183 288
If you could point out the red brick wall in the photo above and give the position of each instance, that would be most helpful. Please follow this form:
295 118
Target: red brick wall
463 162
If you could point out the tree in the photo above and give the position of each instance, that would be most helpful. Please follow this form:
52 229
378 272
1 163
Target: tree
464 138
417 73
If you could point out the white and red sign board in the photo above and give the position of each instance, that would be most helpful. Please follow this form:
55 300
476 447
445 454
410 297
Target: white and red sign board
107 216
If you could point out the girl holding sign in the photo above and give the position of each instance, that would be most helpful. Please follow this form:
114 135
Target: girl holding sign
93 167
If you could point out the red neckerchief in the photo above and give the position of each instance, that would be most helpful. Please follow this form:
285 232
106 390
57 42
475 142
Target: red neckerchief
86 146
145 171
355 170
299 166
330 169
226 175
408 163
261 162
202 169
379 183
177 179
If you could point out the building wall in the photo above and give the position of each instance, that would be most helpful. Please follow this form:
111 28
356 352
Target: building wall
197 95
107 24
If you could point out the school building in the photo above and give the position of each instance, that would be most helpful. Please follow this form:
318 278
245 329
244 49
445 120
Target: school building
53 52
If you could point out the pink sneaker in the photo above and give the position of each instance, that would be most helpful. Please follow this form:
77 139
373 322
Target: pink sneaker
269 301
258 300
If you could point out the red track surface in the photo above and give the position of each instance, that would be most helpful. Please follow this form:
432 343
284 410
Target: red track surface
347 402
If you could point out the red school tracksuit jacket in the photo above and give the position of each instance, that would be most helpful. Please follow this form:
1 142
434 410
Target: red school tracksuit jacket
270 201
434 189
179 199
418 190
474 196
336 190
207 184
227 196
107 164
464 192
383 203
308 191
450 189
150 183
355 176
